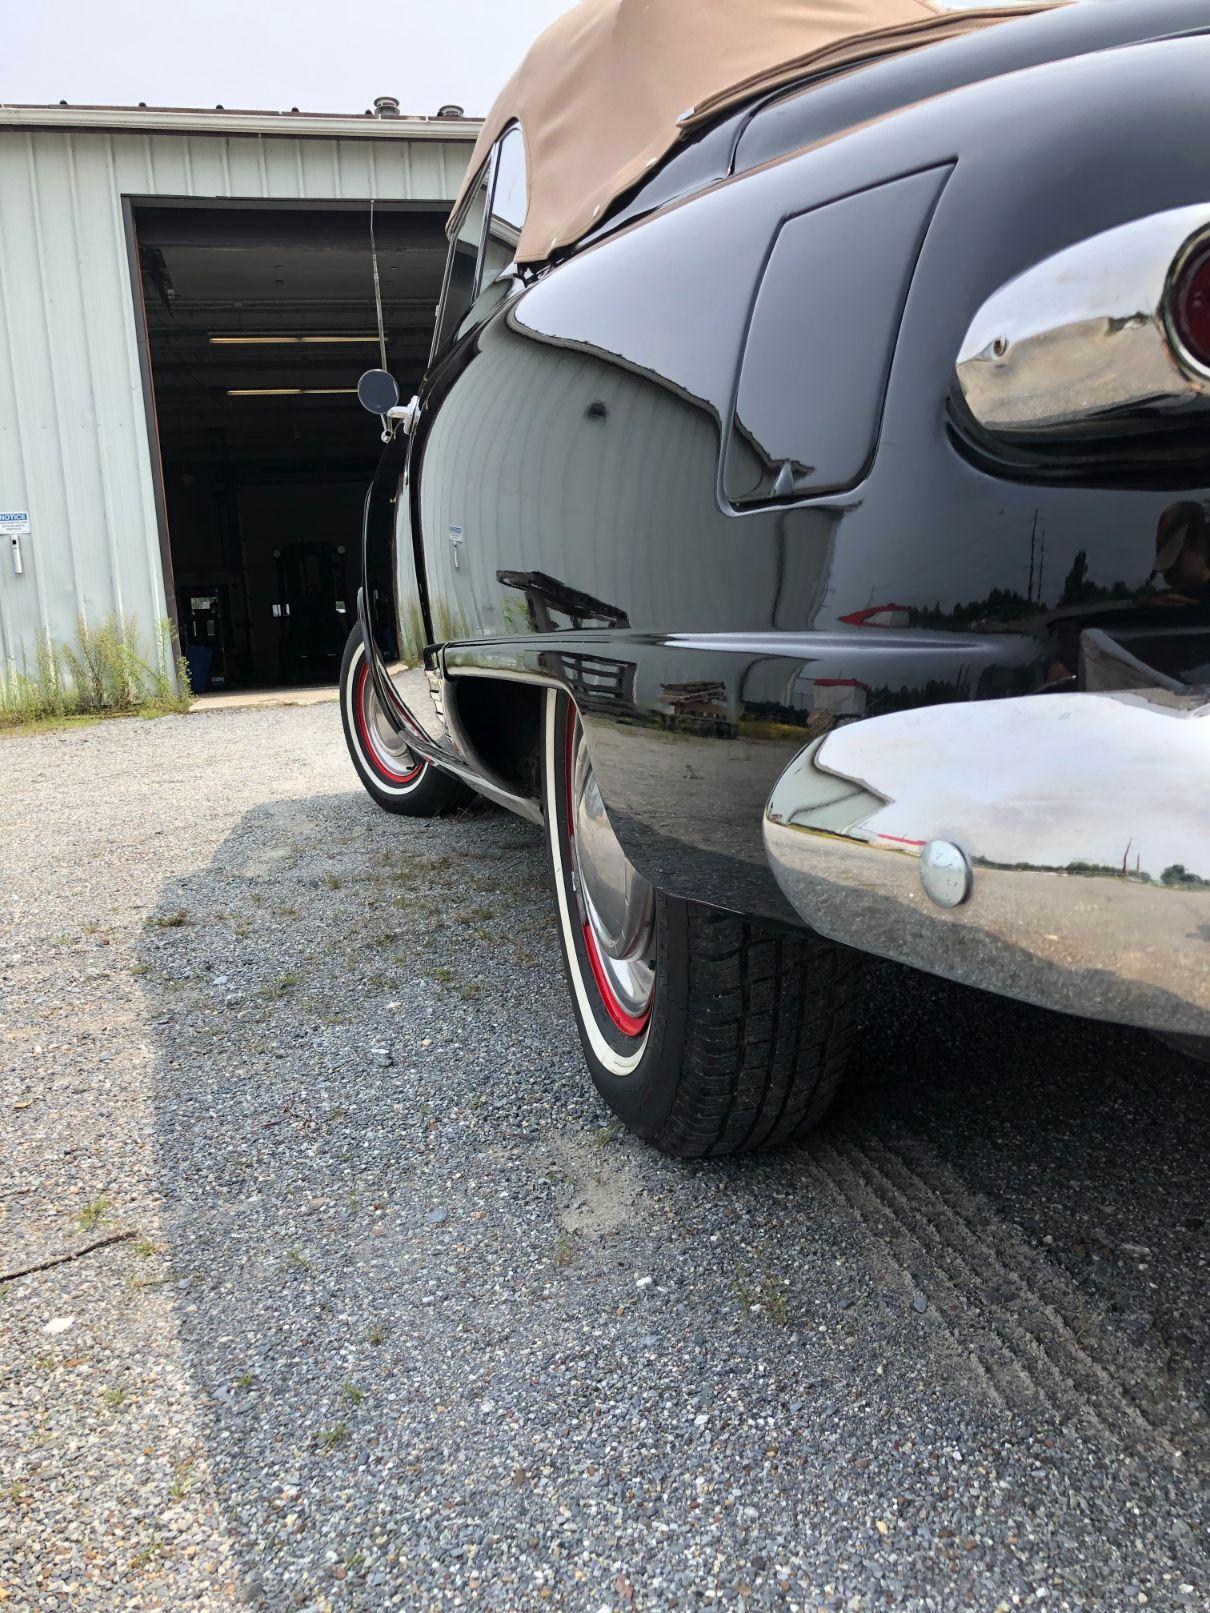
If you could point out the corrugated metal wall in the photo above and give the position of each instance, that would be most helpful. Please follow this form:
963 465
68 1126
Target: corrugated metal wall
74 448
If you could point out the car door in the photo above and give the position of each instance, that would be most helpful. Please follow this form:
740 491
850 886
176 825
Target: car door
445 504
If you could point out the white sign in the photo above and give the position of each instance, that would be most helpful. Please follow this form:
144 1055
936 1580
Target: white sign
14 522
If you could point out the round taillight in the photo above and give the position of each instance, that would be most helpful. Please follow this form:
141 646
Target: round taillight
1189 303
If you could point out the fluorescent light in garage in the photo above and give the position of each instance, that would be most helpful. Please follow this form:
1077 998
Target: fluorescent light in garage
291 391
289 341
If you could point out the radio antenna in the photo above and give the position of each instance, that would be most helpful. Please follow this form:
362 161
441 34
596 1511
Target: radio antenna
382 337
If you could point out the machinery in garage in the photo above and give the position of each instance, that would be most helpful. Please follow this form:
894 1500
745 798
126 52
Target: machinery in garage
259 322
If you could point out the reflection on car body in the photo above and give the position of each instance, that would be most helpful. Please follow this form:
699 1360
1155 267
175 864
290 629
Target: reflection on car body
817 477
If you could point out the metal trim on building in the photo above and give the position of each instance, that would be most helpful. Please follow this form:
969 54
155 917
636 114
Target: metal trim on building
189 120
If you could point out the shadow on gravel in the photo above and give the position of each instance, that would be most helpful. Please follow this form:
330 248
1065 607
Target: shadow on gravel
1091 1138
450 1333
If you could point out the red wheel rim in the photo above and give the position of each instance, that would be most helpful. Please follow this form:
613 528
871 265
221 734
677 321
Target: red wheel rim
629 1024
369 743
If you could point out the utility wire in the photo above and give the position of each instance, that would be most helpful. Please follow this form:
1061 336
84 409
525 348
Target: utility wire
382 336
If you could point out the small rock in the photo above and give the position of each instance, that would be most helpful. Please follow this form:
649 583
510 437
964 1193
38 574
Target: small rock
59 1324
434 1218
920 1303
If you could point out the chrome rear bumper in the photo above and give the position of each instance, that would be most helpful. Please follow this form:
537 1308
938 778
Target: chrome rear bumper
1071 833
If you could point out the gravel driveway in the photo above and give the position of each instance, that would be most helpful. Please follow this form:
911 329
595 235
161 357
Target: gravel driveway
353 1297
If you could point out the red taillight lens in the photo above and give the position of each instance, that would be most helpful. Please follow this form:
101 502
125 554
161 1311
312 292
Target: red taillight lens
1189 303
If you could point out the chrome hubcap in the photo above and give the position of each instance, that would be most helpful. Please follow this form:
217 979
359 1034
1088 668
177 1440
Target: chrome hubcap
384 741
616 902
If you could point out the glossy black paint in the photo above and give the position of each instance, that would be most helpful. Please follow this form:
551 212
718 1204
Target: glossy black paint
789 435
803 116
563 519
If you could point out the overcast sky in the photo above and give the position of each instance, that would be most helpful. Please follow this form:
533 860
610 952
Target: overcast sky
318 55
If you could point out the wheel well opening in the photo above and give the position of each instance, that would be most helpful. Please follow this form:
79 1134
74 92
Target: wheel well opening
501 721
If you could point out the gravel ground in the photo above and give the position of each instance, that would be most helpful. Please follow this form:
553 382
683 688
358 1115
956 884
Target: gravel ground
394 1317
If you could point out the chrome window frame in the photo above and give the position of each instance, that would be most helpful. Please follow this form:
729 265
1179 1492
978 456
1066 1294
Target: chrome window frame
486 171
509 268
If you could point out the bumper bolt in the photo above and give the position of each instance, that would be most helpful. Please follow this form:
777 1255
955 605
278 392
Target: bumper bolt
945 873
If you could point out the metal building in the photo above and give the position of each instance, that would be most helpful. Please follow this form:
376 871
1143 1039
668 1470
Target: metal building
186 301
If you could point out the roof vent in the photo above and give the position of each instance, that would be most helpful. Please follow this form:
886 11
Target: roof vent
386 106
451 109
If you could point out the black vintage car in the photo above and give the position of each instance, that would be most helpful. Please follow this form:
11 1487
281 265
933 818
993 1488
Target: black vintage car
804 515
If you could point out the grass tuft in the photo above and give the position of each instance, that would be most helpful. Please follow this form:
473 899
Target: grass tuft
765 1294
105 672
168 921
91 1215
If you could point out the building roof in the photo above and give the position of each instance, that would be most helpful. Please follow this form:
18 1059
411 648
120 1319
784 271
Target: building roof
224 120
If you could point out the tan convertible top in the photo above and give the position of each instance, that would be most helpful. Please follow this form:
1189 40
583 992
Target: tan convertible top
607 90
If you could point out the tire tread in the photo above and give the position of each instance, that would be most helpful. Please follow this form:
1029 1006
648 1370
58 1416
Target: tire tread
770 1021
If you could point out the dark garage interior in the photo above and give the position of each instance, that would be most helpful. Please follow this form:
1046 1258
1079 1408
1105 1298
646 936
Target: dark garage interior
259 322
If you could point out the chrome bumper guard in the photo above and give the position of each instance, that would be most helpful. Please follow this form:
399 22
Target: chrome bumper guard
1054 848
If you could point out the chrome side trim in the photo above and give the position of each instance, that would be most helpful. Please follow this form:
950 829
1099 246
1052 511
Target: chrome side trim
522 805
1080 340
433 738
485 780
1084 820
503 674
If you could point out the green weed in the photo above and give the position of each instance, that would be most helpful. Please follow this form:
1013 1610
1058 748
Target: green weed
91 1215
172 920
764 1293
106 671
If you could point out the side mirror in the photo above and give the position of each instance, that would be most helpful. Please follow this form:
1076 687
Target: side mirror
378 391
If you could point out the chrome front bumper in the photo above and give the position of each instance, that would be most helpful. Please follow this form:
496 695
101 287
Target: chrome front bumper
1071 833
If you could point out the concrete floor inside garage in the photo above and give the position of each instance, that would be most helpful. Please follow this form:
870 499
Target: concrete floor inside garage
259 321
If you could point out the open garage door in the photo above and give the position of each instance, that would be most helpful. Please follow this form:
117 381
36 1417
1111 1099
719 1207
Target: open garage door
259 322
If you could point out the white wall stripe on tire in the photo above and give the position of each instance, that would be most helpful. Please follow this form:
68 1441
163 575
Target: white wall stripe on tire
349 694
613 1061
